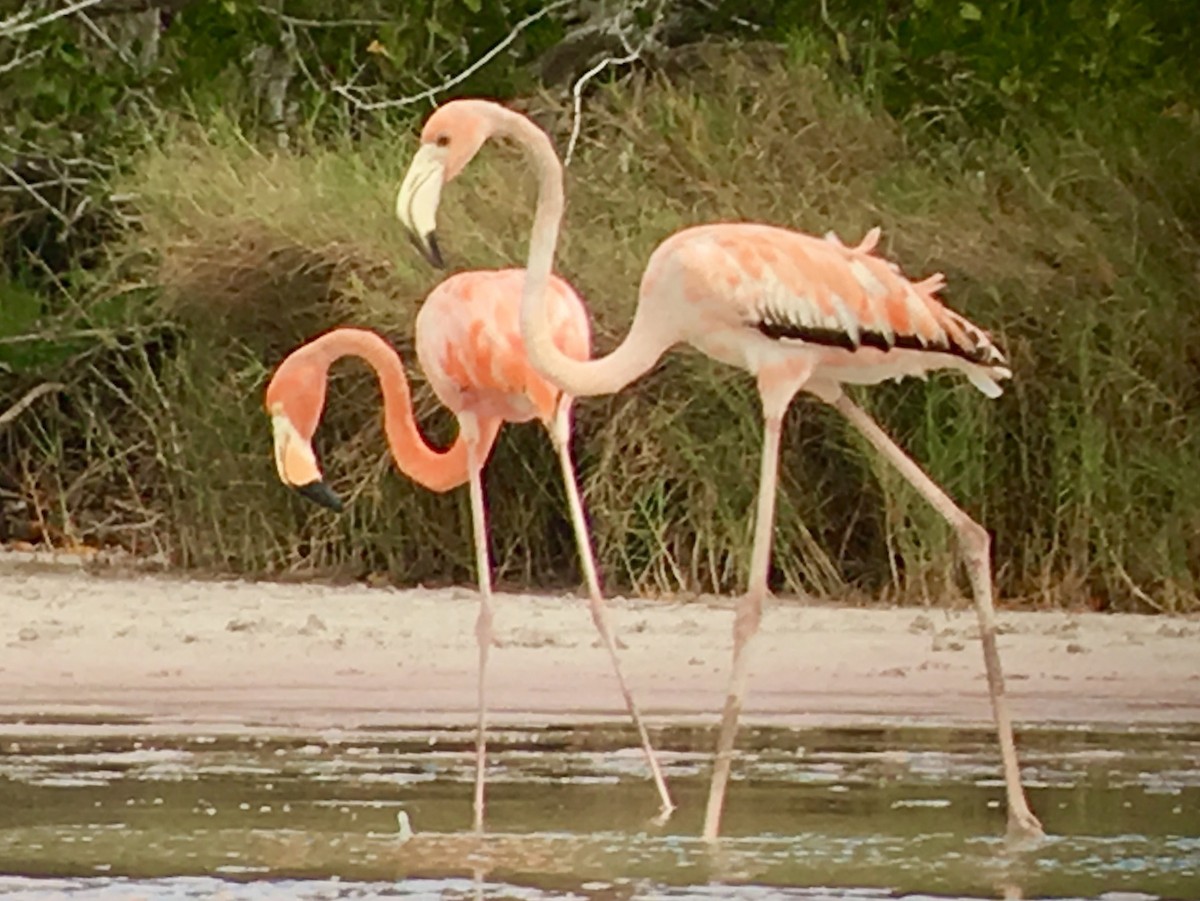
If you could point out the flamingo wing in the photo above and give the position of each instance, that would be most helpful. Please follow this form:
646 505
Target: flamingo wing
819 291
470 346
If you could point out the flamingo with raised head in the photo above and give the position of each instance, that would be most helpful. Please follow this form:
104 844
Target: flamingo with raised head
796 311
469 345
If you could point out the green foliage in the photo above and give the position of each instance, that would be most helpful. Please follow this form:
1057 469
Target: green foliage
1003 64
1076 249
82 97
1045 156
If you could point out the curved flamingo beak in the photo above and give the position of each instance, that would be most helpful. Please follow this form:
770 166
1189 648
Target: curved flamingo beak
297 465
417 201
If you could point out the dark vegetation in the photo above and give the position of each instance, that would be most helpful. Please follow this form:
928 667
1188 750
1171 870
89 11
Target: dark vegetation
190 189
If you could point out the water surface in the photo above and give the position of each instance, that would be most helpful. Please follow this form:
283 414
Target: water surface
107 811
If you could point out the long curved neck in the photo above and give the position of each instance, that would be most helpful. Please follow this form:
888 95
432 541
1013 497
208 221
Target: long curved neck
424 464
634 356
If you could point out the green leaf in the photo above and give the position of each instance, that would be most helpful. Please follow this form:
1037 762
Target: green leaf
970 12
473 5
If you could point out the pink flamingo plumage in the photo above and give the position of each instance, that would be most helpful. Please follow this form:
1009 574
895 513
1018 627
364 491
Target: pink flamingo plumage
470 347
796 311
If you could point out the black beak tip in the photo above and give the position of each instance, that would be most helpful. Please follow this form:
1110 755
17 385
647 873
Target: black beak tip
320 493
433 252
429 249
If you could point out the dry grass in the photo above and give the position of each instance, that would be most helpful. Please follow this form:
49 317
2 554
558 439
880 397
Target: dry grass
1071 249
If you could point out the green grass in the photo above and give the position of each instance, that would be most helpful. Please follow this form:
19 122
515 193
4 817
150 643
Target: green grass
1077 250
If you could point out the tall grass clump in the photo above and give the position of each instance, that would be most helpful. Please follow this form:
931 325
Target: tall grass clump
1077 248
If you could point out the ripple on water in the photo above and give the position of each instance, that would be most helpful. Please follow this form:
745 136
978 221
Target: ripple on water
889 815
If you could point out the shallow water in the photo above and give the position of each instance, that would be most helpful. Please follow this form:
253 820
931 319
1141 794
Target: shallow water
124 811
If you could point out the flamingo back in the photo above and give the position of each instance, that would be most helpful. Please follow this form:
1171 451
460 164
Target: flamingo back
468 341
850 308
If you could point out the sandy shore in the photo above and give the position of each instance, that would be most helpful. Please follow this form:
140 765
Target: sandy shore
313 656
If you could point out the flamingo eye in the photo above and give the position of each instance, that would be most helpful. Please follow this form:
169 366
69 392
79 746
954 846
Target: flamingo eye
442 140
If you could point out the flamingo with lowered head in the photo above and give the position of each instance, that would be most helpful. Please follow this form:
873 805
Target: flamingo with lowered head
796 311
469 345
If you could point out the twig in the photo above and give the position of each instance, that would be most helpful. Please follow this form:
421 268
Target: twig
30 396
104 38
48 155
745 23
297 56
13 20
106 333
577 95
8 30
631 54
461 76
22 60
1137 591
42 201
48 183
323 23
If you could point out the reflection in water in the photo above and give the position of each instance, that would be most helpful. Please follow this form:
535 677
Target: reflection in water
103 814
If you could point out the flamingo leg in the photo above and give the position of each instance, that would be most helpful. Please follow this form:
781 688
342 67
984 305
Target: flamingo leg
483 625
976 544
560 436
749 609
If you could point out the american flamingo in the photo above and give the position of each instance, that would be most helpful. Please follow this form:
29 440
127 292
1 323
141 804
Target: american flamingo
469 345
795 311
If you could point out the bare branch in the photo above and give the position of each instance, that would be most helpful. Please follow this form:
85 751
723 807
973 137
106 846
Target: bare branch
29 189
81 162
9 27
462 76
47 183
106 335
30 396
18 61
294 52
323 23
13 20
577 95
632 53
104 38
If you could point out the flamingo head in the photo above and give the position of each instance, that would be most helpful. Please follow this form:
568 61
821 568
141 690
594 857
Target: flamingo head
294 401
450 139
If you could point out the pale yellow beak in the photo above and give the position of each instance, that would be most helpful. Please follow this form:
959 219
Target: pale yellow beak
417 201
297 464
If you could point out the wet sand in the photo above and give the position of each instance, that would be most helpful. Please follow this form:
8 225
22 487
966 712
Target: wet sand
183 652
